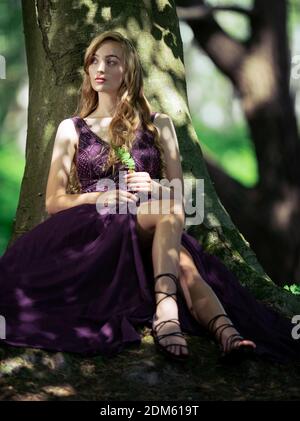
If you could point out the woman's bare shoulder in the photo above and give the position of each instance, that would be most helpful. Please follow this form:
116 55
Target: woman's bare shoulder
68 128
160 117
160 120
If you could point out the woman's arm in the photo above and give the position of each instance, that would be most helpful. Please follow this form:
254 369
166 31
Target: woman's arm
168 139
66 201
63 153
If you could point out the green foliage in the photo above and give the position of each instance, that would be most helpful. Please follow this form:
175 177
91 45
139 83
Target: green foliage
294 16
125 158
11 170
294 289
237 25
12 48
231 149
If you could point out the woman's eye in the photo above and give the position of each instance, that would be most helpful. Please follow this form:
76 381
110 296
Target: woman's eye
94 60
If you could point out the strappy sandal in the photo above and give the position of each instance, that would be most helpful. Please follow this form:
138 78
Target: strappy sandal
230 353
156 337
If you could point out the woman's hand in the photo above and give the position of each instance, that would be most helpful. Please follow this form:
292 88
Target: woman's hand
116 197
139 182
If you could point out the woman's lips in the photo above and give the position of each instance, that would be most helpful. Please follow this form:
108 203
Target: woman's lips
100 80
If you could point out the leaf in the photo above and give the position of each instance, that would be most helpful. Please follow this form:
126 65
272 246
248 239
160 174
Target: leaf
125 157
294 289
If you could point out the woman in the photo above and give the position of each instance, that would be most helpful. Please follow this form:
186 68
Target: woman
82 281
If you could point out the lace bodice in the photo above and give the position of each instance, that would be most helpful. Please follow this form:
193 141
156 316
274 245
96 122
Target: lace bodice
93 152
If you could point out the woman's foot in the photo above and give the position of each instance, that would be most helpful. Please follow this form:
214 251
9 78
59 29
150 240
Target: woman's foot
233 345
166 331
169 338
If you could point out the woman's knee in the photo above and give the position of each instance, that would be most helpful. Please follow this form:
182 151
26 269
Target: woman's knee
173 212
150 214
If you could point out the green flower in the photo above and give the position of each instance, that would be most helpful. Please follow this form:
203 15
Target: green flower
125 158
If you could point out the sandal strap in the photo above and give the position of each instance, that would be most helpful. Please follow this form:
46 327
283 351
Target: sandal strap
222 327
168 294
231 340
163 322
170 275
211 323
164 335
175 280
234 337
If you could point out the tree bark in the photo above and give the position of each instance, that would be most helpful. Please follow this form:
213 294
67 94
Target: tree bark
259 68
57 34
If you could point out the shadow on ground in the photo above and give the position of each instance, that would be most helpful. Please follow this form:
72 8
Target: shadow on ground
140 373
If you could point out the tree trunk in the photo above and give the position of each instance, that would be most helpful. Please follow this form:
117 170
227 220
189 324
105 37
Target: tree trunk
269 214
57 34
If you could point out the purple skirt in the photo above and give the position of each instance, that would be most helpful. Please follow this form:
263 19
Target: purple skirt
81 282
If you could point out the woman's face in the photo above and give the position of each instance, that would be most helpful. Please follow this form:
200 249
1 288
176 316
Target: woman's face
107 62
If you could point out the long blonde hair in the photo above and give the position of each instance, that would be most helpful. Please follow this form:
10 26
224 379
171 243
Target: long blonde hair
133 111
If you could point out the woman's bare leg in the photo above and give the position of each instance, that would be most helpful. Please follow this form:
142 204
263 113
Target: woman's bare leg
201 299
165 256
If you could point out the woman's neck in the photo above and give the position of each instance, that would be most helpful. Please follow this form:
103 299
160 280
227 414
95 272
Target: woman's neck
106 106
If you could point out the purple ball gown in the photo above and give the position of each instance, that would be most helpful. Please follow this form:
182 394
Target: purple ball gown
81 282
